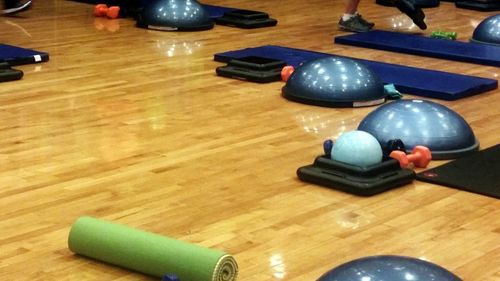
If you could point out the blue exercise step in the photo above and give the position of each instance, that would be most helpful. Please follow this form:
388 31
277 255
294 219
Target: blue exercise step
410 80
424 46
17 56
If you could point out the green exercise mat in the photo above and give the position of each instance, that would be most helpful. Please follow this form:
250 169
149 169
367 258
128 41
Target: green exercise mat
149 253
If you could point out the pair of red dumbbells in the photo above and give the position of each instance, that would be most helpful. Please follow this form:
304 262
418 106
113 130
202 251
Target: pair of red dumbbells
102 10
420 157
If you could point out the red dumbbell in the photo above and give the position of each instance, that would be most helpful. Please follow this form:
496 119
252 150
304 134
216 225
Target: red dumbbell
102 10
286 72
420 157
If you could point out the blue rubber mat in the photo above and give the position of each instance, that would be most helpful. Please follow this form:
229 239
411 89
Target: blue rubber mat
424 46
410 80
17 56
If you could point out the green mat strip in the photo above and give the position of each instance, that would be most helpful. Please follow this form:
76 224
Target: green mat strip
149 253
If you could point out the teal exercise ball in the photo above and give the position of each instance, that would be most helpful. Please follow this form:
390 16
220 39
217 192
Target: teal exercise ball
357 148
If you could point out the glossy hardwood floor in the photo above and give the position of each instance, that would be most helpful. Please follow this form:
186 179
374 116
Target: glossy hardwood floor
134 126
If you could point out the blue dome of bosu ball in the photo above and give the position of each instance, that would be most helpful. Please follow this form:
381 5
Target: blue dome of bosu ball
419 122
488 31
174 15
389 268
334 82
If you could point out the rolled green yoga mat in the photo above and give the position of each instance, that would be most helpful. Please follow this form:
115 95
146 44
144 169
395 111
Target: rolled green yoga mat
149 253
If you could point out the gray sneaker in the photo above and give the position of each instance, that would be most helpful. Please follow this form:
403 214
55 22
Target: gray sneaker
354 24
361 19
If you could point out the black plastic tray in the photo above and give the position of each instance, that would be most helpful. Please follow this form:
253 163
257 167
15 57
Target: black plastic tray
363 181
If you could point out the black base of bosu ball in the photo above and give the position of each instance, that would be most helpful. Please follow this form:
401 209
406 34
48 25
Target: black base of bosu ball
363 181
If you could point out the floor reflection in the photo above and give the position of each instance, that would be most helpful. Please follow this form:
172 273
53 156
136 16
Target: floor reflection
171 48
326 126
277 264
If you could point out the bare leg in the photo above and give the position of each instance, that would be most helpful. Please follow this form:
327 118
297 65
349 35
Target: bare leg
351 7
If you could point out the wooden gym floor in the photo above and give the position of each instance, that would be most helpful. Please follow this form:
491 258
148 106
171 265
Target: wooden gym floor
134 126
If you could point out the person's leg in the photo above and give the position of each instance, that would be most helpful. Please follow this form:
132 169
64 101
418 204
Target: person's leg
351 20
351 7
15 6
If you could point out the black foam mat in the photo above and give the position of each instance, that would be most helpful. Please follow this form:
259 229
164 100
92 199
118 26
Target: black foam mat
478 172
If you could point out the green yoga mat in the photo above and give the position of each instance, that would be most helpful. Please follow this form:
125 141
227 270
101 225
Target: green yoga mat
149 253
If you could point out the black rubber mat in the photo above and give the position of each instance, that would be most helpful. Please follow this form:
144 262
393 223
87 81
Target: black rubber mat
478 172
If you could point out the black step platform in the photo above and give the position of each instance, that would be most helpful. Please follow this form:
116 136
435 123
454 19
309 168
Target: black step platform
246 19
253 68
363 181
9 74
